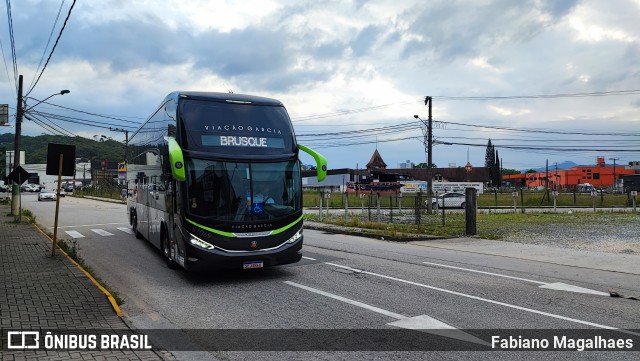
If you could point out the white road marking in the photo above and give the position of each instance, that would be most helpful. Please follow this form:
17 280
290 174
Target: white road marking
92 225
485 300
483 272
552 286
422 322
349 301
102 232
74 234
571 288
126 230
436 327
309 258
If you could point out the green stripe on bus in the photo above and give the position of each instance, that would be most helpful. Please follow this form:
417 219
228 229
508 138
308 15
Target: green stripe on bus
280 230
227 234
222 233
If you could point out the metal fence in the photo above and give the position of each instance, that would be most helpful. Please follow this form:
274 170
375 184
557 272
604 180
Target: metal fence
449 209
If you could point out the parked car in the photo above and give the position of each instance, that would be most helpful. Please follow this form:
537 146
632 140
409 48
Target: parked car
30 187
62 192
46 194
449 200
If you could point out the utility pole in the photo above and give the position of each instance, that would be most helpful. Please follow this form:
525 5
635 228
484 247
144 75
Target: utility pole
615 183
429 102
15 189
126 137
428 147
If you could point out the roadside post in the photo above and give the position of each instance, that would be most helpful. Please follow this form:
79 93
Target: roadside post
327 196
594 194
555 199
60 161
515 201
471 199
399 202
378 206
346 205
634 194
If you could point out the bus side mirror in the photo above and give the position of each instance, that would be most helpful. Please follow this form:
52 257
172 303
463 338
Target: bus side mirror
321 161
176 158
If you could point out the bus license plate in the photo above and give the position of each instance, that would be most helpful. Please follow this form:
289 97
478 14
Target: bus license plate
252 264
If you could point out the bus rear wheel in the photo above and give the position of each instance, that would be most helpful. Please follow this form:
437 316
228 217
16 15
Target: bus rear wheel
166 252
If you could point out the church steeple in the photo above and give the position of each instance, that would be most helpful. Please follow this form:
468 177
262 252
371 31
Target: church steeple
376 162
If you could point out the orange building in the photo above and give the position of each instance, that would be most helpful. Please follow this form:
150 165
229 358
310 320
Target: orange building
600 175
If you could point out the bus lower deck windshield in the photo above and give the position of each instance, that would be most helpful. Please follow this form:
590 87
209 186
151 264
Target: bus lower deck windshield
240 192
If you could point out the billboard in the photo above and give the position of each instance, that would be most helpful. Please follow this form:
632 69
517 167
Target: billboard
440 187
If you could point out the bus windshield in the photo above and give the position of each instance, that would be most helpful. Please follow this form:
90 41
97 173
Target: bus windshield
232 191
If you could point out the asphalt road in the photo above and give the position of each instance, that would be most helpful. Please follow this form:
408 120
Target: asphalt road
366 288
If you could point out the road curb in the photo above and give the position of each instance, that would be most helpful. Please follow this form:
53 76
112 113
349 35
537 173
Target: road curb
361 232
110 297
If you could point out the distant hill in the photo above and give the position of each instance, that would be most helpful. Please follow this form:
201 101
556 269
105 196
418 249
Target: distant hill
561 166
88 149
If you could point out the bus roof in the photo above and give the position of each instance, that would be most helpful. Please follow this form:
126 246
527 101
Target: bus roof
223 97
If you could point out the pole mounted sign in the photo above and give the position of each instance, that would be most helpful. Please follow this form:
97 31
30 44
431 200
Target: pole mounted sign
18 175
4 114
61 160
122 170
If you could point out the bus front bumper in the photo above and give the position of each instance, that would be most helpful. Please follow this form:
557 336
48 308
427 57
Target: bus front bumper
202 260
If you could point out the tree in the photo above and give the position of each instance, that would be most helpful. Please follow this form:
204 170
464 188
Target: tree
424 165
497 180
507 171
490 162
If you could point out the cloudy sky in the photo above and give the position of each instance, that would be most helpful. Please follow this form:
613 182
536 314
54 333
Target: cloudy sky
352 74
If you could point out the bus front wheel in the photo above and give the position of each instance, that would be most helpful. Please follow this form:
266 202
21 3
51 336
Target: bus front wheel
134 225
166 252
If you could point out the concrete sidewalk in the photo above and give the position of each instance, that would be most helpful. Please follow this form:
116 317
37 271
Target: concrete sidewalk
614 262
39 292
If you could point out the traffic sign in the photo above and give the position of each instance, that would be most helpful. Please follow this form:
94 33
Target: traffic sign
68 152
18 175
122 170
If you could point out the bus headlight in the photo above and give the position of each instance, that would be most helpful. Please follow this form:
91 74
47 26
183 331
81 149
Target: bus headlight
200 243
295 237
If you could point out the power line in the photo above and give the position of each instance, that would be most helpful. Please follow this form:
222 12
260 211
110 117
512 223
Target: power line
13 44
4 59
52 49
44 51
106 116
543 96
533 130
93 123
470 98
353 111
55 128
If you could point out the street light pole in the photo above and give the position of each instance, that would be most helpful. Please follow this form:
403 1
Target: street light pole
21 109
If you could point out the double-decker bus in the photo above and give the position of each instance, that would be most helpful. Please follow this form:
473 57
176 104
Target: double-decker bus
214 182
